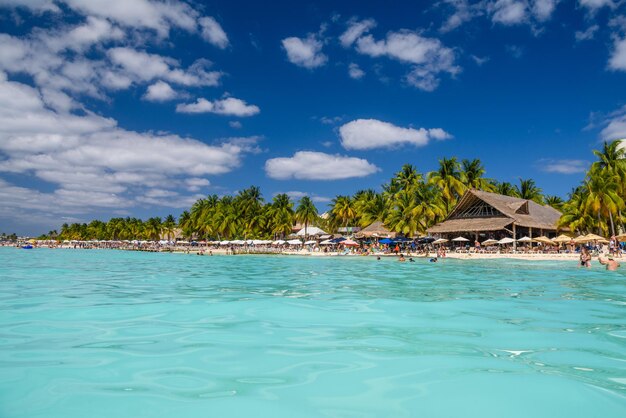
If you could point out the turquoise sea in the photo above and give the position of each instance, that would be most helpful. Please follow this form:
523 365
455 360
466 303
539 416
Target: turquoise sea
96 333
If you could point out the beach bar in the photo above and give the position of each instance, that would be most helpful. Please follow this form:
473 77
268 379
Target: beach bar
480 215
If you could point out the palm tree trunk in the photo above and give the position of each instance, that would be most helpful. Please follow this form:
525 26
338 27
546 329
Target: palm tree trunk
612 226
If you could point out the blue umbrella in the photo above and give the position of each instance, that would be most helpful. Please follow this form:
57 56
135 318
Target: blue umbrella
386 241
338 240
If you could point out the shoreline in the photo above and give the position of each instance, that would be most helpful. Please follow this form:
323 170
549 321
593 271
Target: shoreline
305 253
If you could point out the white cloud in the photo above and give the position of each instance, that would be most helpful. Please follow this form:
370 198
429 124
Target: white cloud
564 166
594 5
543 9
354 71
428 56
509 12
615 125
196 183
160 92
235 124
142 66
305 52
356 28
363 134
93 163
310 165
229 106
297 195
587 34
212 32
463 12
617 61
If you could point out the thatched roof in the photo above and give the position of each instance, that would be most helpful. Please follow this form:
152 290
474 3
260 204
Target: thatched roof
377 229
504 211
470 225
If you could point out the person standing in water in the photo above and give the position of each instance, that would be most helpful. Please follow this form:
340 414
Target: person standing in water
611 265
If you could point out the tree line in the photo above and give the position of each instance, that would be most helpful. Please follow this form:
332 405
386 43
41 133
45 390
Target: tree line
409 204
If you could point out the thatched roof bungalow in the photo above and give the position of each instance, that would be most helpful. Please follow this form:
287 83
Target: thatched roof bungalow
479 212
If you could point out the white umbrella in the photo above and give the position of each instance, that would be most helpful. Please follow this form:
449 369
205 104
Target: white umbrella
310 242
525 239
224 242
326 242
506 240
460 239
440 241
311 230
279 242
294 242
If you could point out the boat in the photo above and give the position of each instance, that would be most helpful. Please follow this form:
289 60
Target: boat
27 247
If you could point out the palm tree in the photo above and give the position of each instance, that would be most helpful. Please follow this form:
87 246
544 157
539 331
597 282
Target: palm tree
153 228
306 213
448 179
169 225
505 188
554 201
528 190
281 215
343 210
472 176
603 198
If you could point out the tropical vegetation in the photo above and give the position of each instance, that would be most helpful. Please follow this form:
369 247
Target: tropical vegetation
409 203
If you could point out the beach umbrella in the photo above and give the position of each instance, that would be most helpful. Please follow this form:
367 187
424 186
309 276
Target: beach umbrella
350 243
327 242
589 238
224 243
440 241
279 242
338 240
525 239
311 230
460 239
621 237
506 240
544 240
489 241
386 241
311 242
562 238
294 242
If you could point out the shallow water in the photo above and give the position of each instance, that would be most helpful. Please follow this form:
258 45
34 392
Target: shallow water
94 333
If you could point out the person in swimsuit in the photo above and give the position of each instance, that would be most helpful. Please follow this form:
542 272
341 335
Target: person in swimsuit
611 265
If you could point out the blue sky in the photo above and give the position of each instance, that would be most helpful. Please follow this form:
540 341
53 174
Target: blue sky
117 108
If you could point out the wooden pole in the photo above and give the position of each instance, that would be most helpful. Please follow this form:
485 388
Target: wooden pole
514 238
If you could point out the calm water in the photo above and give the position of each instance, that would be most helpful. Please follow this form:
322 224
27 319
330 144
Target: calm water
121 334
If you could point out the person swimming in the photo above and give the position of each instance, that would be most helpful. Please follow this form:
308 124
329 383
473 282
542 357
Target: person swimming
611 265
401 258
411 260
433 260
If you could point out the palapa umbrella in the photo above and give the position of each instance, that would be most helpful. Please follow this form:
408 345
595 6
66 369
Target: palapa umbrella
591 237
525 239
562 238
621 237
460 239
440 241
489 241
544 240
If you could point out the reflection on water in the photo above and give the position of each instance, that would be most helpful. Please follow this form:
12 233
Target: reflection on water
103 333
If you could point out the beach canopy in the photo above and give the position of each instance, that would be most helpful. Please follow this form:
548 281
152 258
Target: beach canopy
386 241
327 242
350 242
279 242
294 242
525 239
589 238
310 242
460 239
489 241
621 237
544 240
311 230
440 241
562 238
506 240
